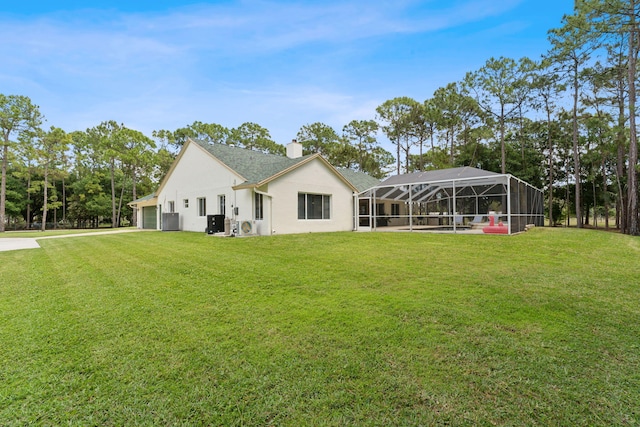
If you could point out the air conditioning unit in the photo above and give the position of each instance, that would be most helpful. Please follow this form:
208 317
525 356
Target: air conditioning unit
247 228
170 221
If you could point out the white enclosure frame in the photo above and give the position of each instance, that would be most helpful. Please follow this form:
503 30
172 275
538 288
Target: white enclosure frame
453 199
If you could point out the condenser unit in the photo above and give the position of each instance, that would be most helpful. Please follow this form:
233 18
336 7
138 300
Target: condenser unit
170 221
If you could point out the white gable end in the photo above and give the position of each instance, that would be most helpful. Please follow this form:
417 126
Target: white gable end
197 176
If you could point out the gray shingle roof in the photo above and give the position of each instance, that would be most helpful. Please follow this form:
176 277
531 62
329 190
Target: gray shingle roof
254 166
360 180
437 175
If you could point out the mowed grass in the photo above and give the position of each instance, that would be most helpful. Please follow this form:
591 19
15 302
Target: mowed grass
372 329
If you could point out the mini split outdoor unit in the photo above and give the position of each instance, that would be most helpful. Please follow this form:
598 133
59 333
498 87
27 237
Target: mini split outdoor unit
246 228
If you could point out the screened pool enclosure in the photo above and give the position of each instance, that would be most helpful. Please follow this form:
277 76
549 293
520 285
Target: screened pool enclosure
457 199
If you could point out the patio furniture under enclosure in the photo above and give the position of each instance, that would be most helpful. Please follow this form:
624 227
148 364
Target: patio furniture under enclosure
456 199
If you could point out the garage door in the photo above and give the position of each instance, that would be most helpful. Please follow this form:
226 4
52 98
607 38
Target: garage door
149 218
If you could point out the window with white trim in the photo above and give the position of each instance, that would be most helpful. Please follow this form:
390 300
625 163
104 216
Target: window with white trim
259 206
222 201
314 206
202 206
185 202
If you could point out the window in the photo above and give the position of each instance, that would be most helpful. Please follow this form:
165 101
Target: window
258 204
380 209
185 202
395 209
314 206
221 204
202 206
171 206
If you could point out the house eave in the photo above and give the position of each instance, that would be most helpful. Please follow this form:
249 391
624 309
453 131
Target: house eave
153 201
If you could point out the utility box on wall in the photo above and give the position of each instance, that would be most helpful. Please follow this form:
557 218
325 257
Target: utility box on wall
170 221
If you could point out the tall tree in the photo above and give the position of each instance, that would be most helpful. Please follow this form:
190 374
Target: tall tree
617 85
318 138
17 115
361 134
254 137
432 117
570 51
167 139
162 161
51 146
621 17
600 130
108 139
371 158
448 101
137 157
88 201
395 113
546 91
420 129
210 132
25 169
498 87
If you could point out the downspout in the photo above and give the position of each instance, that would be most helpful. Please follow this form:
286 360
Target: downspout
270 208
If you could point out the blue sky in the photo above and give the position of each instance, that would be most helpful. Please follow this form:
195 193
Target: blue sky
164 64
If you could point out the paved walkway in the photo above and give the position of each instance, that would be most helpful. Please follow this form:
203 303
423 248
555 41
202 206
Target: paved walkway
16 243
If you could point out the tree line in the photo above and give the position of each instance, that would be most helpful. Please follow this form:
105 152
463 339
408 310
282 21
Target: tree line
565 123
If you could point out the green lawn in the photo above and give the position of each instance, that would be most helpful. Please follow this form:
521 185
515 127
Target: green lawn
377 329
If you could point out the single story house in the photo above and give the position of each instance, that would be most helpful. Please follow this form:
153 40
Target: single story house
220 188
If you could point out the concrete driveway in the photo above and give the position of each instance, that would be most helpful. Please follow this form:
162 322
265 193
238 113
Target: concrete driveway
16 243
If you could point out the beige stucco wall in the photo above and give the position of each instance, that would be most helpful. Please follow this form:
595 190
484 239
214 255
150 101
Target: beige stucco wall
316 178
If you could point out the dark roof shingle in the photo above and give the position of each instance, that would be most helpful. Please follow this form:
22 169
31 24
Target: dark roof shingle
360 180
437 175
253 165
256 166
